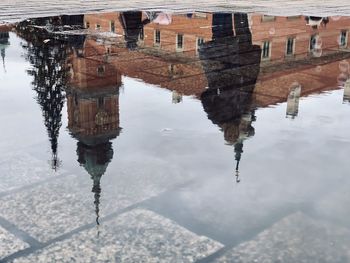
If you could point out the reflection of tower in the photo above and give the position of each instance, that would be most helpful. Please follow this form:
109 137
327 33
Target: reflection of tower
293 101
231 64
4 43
93 110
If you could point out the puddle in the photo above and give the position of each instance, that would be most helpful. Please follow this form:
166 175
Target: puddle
218 124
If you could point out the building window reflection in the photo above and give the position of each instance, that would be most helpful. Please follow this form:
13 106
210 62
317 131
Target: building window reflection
293 17
266 49
179 42
290 46
157 37
113 26
100 70
142 34
343 41
100 102
313 42
267 18
199 42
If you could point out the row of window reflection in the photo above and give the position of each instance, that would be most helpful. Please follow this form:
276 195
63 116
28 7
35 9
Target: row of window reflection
266 45
290 44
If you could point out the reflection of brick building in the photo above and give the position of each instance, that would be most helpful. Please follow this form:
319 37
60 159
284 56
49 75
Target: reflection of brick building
177 69
290 38
283 38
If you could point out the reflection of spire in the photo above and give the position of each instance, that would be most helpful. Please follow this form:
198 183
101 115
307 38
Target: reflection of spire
96 189
238 155
95 159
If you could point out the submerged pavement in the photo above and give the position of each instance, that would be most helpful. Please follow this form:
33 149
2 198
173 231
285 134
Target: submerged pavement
130 231
22 9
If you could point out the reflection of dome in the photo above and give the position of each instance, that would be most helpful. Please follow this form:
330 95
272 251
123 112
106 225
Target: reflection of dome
95 158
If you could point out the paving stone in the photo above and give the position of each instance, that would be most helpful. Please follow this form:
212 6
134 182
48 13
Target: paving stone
296 238
59 206
21 169
21 9
10 244
136 236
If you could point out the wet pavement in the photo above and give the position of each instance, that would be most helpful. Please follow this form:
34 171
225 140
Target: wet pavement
163 137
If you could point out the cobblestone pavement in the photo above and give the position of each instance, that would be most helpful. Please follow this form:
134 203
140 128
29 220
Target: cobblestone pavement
16 10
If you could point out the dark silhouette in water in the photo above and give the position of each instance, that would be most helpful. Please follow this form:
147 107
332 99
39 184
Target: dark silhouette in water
231 64
133 25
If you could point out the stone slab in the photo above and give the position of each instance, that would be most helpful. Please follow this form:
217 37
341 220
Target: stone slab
136 236
21 169
59 206
10 244
295 238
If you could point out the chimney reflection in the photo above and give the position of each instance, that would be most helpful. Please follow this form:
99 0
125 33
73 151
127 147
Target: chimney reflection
231 64
346 96
93 110
293 101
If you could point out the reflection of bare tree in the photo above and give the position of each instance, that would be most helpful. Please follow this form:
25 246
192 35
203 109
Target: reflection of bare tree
231 64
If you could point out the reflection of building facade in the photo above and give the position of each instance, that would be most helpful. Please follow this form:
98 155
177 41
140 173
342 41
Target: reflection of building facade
281 38
93 110
285 41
